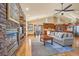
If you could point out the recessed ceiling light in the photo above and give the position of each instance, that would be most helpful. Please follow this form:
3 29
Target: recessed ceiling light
27 9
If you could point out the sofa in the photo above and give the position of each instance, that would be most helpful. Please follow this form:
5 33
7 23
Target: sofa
62 38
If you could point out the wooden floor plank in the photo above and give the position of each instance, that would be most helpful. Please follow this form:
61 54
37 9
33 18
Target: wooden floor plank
25 48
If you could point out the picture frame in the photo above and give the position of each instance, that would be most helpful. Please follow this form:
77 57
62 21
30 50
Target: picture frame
13 11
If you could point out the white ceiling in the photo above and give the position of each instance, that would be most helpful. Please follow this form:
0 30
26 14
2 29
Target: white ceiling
38 10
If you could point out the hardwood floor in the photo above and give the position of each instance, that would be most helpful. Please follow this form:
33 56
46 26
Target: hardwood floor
22 50
77 42
25 48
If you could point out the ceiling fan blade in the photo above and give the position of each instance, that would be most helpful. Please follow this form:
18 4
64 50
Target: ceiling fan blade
69 10
67 7
57 10
65 10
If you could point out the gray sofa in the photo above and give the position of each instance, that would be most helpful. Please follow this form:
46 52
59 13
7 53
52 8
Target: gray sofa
62 38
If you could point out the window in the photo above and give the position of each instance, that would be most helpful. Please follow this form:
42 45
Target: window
30 27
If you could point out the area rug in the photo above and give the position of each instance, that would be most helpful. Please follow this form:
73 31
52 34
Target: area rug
38 48
58 47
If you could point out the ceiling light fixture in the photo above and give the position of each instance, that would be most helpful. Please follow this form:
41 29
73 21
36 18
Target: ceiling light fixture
27 9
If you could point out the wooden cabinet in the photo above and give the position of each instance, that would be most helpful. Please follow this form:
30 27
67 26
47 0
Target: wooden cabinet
48 25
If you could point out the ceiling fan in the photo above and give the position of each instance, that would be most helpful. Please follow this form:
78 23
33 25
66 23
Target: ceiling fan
66 9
